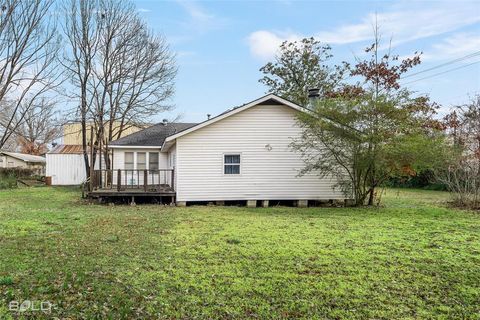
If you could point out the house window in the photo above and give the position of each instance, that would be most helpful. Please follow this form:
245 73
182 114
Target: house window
141 160
171 160
231 164
129 161
153 161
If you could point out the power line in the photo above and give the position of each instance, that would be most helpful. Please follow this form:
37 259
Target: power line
468 56
443 72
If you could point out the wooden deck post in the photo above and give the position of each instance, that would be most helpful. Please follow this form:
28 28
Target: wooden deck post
91 160
145 180
119 180
173 179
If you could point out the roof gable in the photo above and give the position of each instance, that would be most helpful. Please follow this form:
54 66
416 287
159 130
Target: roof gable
270 99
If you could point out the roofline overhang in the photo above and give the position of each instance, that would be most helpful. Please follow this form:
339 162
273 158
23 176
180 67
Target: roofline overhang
169 141
8 154
112 146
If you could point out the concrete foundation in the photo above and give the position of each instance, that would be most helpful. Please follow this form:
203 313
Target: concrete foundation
302 203
181 203
220 203
265 203
349 202
251 203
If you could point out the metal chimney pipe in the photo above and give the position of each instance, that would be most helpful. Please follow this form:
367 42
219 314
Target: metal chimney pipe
313 93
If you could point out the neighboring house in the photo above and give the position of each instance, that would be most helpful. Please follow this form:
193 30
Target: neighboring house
242 154
66 165
21 160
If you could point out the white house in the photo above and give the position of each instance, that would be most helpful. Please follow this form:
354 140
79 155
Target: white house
242 154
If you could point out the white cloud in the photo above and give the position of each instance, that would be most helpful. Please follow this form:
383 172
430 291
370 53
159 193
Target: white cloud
265 44
404 21
144 10
408 21
195 11
454 46
200 20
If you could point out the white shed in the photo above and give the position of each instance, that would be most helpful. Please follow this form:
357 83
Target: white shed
66 166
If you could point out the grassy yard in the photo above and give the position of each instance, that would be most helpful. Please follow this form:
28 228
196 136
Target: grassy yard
411 259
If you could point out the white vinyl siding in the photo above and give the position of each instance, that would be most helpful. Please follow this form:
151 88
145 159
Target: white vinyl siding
68 169
269 168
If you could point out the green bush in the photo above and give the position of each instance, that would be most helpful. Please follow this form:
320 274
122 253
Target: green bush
8 182
17 172
9 176
423 180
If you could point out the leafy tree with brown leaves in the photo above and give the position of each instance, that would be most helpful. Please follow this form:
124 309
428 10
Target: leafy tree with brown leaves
363 133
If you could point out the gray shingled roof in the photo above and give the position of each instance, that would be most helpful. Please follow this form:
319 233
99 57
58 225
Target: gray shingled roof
152 136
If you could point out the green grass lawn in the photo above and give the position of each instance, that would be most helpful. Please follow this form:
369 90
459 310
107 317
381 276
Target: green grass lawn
412 259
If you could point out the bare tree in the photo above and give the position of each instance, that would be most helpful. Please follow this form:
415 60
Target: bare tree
461 174
136 75
39 127
126 73
28 50
81 31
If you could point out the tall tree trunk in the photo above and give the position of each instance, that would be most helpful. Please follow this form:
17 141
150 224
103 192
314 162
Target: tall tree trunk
371 196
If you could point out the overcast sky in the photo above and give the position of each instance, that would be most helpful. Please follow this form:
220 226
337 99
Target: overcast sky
220 45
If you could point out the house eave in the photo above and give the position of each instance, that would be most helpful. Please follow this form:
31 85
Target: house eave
133 147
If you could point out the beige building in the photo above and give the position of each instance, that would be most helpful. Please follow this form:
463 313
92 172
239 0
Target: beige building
21 160
72 132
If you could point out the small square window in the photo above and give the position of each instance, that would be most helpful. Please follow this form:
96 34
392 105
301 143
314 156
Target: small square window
231 164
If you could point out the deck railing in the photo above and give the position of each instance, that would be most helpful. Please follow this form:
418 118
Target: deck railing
140 179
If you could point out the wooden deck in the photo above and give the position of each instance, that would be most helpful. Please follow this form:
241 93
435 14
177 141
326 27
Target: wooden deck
132 183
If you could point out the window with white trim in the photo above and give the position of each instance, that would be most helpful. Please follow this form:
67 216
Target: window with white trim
141 160
129 161
153 160
231 164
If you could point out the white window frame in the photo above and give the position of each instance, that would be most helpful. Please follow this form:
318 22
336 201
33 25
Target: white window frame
239 154
148 160
125 158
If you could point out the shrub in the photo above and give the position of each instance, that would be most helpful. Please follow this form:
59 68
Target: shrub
9 176
17 172
8 182
425 179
